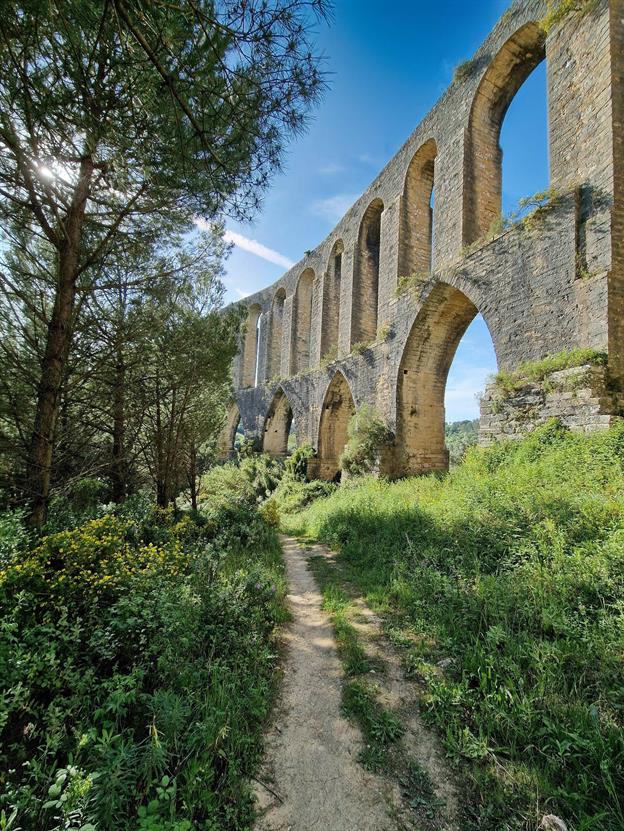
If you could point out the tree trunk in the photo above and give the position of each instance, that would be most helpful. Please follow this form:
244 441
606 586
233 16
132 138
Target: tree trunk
161 485
118 473
58 343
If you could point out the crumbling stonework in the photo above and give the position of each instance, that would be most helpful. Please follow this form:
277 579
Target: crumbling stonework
332 334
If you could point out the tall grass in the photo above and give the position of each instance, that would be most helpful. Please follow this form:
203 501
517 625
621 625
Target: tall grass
512 567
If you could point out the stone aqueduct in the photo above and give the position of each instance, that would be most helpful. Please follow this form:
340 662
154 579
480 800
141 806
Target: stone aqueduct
332 334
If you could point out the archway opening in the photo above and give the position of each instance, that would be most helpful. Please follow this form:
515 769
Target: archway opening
258 342
423 374
473 364
231 433
278 426
366 276
417 213
250 346
524 143
330 319
276 334
338 407
511 67
302 325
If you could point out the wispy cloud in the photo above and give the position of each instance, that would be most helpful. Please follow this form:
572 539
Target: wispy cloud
366 158
331 169
252 246
333 208
241 293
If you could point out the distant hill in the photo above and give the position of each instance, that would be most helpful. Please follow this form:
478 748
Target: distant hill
460 435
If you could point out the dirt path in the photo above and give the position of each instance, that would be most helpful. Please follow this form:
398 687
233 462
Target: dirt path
311 780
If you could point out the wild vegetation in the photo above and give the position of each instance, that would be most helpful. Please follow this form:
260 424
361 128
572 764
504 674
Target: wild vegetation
137 663
503 584
139 586
534 372
459 436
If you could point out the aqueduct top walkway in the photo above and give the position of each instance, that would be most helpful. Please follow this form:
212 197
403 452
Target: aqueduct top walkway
333 334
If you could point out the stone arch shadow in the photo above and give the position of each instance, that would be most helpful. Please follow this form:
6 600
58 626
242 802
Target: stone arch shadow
337 408
277 425
227 436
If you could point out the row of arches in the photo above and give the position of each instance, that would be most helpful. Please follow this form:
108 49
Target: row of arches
482 207
419 444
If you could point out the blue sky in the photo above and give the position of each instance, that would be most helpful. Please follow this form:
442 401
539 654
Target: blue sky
386 70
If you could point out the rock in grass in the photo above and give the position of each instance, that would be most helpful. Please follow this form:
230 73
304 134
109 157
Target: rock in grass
552 823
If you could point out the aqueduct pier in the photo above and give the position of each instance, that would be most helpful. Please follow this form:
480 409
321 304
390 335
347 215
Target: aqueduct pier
333 333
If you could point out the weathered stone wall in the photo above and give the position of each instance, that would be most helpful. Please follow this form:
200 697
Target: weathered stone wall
552 283
579 397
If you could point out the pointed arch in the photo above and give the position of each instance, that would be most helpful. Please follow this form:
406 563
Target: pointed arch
338 407
227 437
276 336
277 425
513 64
250 346
421 384
417 213
330 316
366 275
302 322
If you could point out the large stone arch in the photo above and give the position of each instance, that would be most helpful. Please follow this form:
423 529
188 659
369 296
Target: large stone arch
338 407
250 346
366 275
416 230
427 357
509 69
277 425
276 335
227 436
302 322
330 316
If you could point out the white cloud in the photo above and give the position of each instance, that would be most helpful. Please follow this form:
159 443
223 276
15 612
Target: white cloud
242 294
331 169
366 158
252 246
334 207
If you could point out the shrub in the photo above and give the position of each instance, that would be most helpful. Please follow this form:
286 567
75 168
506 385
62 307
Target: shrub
135 674
296 465
367 435
13 536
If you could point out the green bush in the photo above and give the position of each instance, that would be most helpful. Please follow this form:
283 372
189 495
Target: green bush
137 666
13 537
512 567
367 435
296 465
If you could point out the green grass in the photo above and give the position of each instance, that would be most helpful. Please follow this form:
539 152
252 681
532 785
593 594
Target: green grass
536 371
513 568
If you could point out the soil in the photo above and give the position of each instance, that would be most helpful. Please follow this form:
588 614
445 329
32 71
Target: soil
311 779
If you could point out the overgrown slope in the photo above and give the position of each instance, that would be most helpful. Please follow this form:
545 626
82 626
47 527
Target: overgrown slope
510 572
137 664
